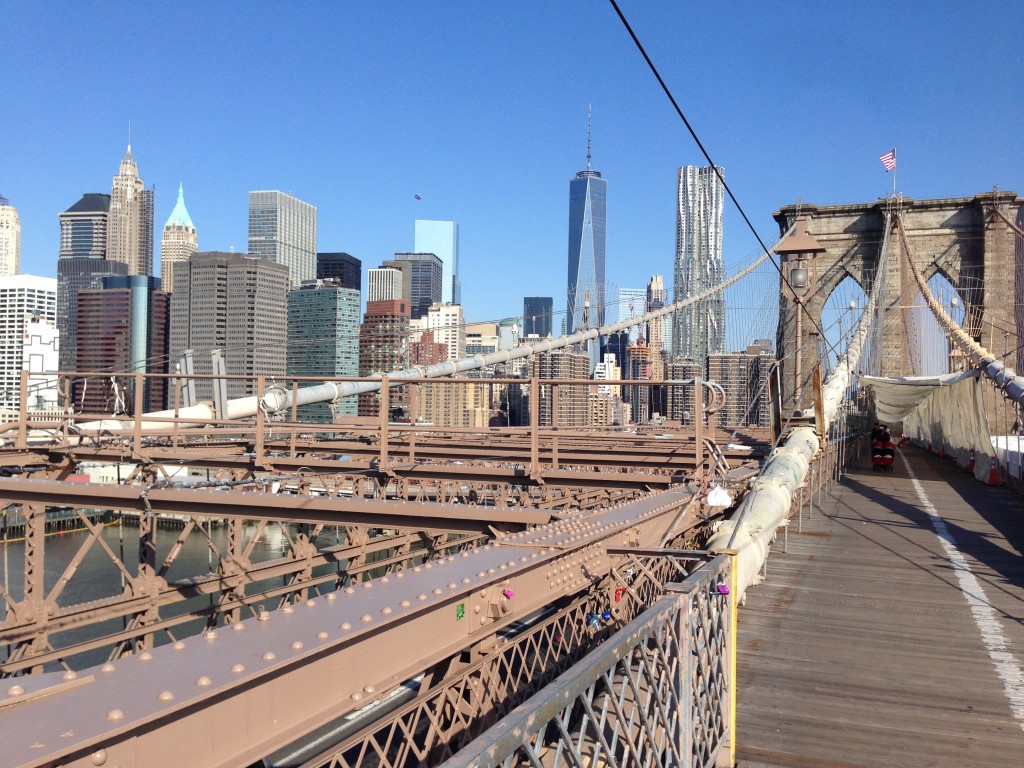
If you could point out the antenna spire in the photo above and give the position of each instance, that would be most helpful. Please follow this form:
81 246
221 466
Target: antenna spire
590 109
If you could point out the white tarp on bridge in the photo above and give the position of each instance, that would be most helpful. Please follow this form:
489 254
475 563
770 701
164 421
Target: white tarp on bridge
944 412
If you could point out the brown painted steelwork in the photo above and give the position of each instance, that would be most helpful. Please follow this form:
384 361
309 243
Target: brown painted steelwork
311 663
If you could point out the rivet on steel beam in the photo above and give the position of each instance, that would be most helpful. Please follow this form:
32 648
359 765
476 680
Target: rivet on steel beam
204 682
297 645
384 580
502 567
210 634
367 585
356 696
145 656
523 559
114 715
452 585
467 580
345 626
487 548
483 620
15 690
108 667
369 689
70 675
269 656
366 618
386 610
405 604
288 609
165 696
464 554
238 626
417 569
99 757
400 575
263 614
480 574
311 603
350 590
438 590
238 669
330 597
490 571
421 597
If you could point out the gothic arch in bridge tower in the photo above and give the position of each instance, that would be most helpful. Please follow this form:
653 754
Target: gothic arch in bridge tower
959 238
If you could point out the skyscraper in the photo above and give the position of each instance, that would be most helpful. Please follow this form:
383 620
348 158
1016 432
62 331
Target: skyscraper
82 264
424 287
122 329
235 303
537 312
22 299
130 221
180 240
385 284
282 229
631 302
323 339
588 194
340 266
10 238
699 331
441 238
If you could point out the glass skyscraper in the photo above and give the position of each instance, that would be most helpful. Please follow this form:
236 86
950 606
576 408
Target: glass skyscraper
323 339
537 312
588 194
441 238
699 331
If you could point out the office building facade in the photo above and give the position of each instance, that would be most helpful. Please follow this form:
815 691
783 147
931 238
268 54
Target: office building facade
699 331
323 340
425 280
385 284
10 238
538 312
383 337
282 229
234 303
449 328
27 302
122 330
343 267
441 238
179 241
130 220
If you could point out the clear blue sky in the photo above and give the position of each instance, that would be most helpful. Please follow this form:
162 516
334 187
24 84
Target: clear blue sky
480 108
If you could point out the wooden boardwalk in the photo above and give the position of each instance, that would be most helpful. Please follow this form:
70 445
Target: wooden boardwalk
862 650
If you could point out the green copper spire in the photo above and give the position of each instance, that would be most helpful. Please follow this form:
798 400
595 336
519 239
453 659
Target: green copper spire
179 216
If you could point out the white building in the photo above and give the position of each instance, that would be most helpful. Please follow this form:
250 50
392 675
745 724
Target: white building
28 338
449 327
282 229
10 238
632 302
441 238
384 284
180 240
608 370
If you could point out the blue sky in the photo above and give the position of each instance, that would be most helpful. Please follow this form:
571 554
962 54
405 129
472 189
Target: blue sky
481 108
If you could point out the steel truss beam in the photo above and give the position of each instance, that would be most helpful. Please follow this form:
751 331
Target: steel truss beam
309 664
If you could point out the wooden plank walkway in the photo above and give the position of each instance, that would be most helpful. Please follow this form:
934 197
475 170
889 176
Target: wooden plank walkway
861 650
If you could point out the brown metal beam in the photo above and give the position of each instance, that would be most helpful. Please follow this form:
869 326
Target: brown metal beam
454 518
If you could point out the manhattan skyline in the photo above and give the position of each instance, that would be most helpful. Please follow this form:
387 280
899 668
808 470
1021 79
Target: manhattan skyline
360 135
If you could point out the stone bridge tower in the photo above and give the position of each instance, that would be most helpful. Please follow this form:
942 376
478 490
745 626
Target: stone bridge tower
960 238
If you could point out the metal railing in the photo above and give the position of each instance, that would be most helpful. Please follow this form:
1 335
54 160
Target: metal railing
659 693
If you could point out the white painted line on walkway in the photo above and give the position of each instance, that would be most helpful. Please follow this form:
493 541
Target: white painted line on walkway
996 642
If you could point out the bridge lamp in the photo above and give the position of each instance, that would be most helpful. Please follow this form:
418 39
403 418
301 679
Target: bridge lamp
795 250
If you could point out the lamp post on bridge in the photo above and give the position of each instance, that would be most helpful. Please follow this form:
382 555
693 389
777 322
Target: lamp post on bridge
797 252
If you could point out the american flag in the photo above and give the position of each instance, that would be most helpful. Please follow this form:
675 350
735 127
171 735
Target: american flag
889 160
